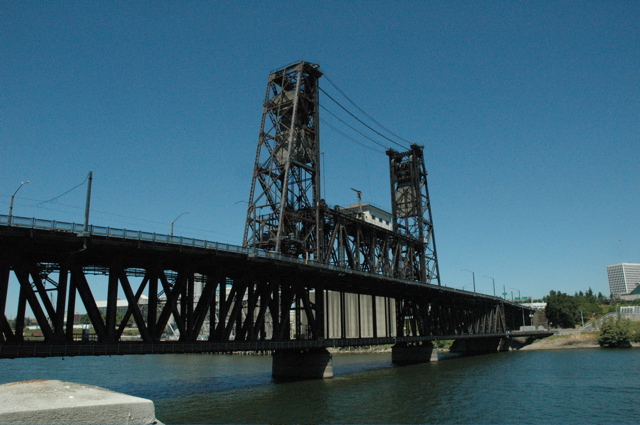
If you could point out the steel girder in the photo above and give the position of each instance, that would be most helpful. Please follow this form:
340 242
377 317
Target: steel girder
440 316
236 309
283 209
353 243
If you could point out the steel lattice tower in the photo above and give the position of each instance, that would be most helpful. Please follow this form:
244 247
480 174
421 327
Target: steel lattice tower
411 209
284 214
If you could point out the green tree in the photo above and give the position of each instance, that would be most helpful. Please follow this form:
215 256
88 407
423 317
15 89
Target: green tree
615 333
562 310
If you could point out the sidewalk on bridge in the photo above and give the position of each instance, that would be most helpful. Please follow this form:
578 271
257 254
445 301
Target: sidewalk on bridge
58 402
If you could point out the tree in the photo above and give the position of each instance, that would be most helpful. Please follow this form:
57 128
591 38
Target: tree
562 309
615 334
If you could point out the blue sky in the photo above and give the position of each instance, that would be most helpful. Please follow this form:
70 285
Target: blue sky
529 113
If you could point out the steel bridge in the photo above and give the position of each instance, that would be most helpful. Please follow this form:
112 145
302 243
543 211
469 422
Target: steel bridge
250 299
308 276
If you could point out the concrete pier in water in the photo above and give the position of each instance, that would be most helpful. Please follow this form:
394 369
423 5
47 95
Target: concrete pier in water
410 354
302 364
480 345
58 402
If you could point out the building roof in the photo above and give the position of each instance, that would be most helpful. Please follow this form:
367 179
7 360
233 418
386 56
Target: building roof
368 207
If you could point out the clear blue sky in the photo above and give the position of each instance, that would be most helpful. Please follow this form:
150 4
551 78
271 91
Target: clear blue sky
529 113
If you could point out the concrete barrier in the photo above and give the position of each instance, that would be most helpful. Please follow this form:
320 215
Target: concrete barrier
58 402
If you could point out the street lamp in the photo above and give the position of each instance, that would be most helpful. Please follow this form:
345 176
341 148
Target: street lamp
186 212
474 278
12 197
494 284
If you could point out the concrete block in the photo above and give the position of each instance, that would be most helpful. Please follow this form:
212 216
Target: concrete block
58 402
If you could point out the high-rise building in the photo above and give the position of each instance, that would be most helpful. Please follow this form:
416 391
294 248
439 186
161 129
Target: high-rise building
623 277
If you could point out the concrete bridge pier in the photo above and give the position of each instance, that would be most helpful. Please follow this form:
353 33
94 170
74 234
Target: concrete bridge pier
302 364
473 346
424 352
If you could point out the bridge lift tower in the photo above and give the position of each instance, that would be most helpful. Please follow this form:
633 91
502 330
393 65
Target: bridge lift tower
286 215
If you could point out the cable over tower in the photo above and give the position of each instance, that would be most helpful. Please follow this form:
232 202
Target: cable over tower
283 214
411 210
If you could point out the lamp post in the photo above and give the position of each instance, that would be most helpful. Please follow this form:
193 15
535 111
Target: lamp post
494 284
12 198
473 275
186 212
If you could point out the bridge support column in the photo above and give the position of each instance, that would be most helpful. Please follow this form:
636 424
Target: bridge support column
302 364
505 344
473 346
409 354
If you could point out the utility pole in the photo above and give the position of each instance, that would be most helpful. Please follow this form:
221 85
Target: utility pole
88 203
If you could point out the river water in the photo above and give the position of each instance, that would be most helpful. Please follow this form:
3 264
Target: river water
594 386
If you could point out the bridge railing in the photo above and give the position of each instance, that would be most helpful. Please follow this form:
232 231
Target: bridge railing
111 232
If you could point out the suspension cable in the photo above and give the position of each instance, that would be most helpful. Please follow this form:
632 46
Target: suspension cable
351 138
366 114
360 121
351 127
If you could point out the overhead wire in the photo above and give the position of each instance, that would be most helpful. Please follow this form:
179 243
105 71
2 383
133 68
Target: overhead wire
70 190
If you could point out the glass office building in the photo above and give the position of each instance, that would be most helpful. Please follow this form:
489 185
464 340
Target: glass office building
623 277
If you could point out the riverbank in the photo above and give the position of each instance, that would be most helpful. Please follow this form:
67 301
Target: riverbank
565 341
568 341
554 342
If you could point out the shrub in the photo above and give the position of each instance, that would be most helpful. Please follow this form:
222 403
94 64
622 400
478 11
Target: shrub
634 330
615 333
